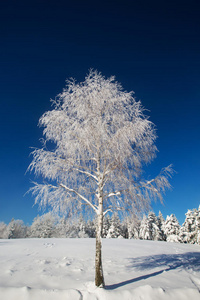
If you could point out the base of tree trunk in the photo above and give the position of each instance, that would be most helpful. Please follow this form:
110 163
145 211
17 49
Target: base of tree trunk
99 279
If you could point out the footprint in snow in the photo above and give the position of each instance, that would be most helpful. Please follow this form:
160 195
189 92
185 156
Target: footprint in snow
49 245
10 272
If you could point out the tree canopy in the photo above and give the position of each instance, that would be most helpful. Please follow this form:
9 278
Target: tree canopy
100 138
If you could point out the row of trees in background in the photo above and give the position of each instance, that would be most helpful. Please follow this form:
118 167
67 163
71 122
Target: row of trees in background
151 227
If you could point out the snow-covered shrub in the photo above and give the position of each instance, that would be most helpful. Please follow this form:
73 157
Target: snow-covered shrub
3 230
43 226
15 230
173 238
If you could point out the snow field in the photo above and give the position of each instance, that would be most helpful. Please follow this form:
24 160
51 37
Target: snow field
63 269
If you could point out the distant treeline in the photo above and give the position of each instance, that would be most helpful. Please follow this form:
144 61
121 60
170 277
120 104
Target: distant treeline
151 227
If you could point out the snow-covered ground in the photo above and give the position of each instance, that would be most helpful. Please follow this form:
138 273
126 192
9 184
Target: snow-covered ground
63 269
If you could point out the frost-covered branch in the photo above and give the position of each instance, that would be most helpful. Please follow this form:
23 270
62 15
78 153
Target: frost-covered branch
80 196
88 174
106 211
113 194
160 183
99 138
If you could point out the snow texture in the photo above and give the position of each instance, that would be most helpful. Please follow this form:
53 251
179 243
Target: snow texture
63 269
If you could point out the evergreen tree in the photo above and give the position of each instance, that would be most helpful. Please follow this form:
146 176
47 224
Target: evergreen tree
115 227
124 228
82 228
161 224
172 229
197 223
91 228
106 226
155 227
133 226
143 228
150 228
188 233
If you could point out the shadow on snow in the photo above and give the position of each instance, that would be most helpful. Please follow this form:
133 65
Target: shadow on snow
189 260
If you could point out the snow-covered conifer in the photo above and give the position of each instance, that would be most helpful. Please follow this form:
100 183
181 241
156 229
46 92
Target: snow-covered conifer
124 228
197 223
143 227
188 229
106 226
82 228
133 227
172 229
149 229
115 227
161 224
91 228
157 234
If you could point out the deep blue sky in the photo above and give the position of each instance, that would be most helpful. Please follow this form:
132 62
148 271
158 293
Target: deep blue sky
152 47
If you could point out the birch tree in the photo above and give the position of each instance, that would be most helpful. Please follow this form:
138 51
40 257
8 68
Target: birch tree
96 140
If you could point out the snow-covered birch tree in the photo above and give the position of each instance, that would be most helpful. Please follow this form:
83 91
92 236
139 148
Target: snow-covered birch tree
96 141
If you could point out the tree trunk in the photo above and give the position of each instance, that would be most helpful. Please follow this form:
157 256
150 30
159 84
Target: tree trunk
99 279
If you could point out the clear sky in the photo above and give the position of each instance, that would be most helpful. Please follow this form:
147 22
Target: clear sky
152 47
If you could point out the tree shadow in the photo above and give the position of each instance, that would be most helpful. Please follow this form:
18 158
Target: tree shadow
120 284
168 262
188 260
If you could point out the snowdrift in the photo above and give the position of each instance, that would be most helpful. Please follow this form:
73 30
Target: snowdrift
63 269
